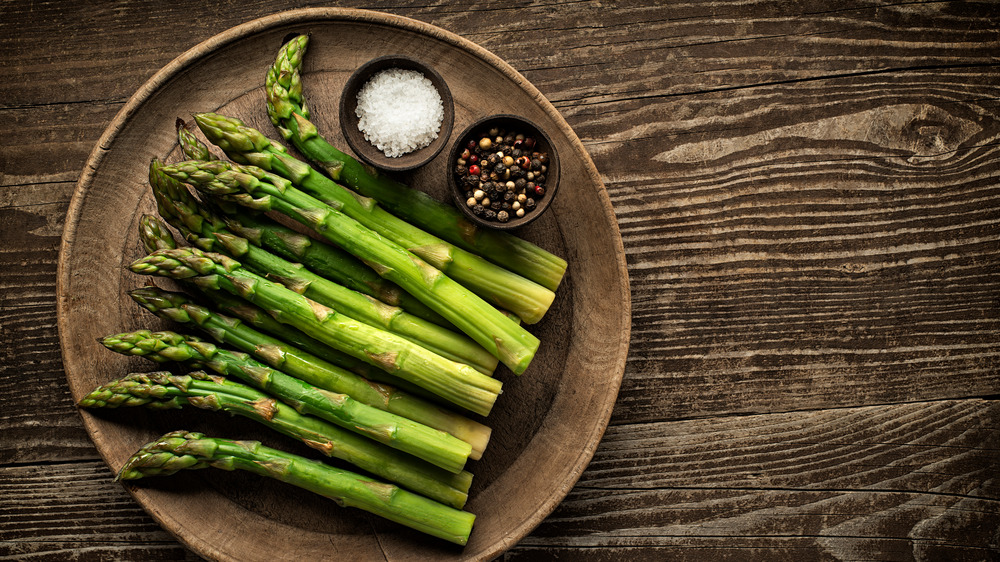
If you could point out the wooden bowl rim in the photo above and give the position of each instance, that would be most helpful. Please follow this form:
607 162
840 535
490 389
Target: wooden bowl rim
237 33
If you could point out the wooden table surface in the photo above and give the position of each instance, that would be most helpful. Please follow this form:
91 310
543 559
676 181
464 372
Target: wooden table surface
809 199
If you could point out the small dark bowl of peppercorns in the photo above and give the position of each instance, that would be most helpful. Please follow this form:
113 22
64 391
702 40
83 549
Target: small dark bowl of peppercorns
504 172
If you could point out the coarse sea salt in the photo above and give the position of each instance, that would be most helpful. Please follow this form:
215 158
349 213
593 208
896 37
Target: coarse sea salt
399 111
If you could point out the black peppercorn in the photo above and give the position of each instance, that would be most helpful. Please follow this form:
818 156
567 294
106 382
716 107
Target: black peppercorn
502 173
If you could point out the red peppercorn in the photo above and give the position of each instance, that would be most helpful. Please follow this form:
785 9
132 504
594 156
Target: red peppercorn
473 158
539 190
524 162
529 142
474 170
472 144
465 154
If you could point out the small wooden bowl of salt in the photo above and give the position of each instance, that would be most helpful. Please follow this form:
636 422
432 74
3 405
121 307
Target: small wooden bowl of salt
396 113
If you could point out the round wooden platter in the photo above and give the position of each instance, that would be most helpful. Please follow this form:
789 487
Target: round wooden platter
546 424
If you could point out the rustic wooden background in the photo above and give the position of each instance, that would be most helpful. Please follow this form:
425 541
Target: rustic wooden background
809 198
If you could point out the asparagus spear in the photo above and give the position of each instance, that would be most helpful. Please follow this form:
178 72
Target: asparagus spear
496 285
205 229
457 383
309 368
287 110
179 450
162 390
256 188
154 236
431 445
324 259
263 322
190 145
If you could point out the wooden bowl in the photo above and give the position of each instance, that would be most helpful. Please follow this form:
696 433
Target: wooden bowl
510 123
356 138
546 425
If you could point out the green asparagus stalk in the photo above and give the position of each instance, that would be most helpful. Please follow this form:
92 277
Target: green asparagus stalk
263 322
190 145
206 230
155 235
162 390
256 188
180 450
496 285
287 110
324 259
455 382
309 368
431 445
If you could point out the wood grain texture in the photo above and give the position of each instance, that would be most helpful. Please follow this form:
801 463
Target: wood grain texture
807 195
572 380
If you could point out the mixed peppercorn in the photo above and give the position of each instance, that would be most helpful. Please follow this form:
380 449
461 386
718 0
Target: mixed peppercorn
502 174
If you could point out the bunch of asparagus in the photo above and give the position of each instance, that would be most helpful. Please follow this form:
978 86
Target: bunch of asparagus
370 333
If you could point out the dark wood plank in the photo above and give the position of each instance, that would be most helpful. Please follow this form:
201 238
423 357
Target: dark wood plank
874 483
64 511
880 482
788 268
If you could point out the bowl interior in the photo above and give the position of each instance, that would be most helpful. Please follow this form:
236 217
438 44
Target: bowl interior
349 118
513 124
